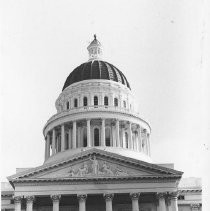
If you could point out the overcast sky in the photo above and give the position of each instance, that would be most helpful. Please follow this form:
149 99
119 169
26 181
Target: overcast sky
158 45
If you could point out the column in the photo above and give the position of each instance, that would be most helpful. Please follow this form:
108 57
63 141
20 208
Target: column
103 132
17 202
88 133
74 134
82 202
148 140
140 139
29 203
53 142
108 199
45 153
135 201
70 139
79 137
113 136
147 143
62 138
55 199
136 141
117 133
121 137
47 146
130 136
162 204
173 198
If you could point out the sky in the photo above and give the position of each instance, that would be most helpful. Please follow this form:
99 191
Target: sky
158 45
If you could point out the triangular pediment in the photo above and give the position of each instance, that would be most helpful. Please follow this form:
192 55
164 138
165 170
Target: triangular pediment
95 164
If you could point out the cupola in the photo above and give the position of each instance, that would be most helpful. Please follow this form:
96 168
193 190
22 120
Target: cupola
95 49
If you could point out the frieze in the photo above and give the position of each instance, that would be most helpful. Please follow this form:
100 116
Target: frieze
94 167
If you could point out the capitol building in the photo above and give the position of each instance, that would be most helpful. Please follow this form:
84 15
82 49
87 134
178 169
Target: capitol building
98 154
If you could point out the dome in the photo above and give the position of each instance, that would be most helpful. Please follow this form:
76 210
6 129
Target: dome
96 69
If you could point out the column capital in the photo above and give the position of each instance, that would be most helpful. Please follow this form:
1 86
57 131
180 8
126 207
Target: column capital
161 195
30 198
55 197
195 206
134 196
82 197
173 195
108 196
17 199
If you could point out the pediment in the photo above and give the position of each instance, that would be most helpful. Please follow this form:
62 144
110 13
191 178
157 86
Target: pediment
95 164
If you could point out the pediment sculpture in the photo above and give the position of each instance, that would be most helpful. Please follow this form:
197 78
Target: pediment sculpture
94 167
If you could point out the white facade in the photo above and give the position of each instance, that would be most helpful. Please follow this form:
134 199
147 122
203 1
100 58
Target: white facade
97 150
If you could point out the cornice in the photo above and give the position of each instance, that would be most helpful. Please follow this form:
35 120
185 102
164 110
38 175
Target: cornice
97 180
190 190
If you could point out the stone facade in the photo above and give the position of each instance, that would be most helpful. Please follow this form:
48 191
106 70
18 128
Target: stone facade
97 151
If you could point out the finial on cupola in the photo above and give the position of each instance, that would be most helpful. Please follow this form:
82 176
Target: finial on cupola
94 49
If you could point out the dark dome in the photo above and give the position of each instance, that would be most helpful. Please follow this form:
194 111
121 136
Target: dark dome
96 69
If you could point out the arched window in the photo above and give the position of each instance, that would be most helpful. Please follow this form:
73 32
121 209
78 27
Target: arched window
96 137
126 140
108 136
124 104
75 103
115 102
106 101
67 105
85 137
95 100
85 101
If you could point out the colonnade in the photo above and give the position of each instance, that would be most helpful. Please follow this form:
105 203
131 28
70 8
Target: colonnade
162 204
123 134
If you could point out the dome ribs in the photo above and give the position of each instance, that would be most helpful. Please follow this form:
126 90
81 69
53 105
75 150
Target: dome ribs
104 70
112 74
96 69
87 71
78 73
125 79
120 75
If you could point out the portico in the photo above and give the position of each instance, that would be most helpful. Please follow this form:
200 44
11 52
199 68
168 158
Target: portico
95 175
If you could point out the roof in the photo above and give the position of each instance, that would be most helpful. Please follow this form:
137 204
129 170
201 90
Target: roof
96 69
